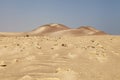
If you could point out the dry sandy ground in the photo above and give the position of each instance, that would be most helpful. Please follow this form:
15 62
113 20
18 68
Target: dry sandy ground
60 58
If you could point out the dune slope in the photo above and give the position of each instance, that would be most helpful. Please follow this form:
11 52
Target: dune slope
56 30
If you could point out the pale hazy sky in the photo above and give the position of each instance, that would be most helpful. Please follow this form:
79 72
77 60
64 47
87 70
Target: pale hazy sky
25 15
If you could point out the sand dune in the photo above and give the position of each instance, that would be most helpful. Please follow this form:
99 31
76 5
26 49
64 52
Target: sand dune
82 31
49 28
92 30
56 30
61 30
56 52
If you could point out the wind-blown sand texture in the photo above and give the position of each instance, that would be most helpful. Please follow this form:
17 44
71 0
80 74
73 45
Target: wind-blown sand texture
58 57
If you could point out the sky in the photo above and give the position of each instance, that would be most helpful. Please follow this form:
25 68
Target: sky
26 15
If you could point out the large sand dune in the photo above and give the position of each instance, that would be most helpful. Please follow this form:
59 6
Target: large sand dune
49 28
56 57
56 30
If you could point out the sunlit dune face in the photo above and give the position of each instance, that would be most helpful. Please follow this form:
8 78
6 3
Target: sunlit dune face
57 30
49 28
54 25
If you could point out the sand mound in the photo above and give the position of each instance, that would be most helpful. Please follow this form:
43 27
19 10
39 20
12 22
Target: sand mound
83 31
61 30
91 30
56 30
42 30
49 28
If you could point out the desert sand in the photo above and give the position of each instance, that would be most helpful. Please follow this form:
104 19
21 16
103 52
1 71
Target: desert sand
64 54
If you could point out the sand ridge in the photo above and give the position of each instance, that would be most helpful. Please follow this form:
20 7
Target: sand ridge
54 29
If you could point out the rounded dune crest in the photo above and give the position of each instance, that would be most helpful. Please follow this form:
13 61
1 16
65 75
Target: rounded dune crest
48 28
55 29
81 31
88 28
91 30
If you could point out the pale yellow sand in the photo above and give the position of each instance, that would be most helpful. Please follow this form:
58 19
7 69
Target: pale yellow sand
60 58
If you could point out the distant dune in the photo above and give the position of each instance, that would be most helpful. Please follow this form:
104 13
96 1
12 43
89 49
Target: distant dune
49 28
91 30
61 30
57 30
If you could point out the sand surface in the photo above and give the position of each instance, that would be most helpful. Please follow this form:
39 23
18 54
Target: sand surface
60 58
